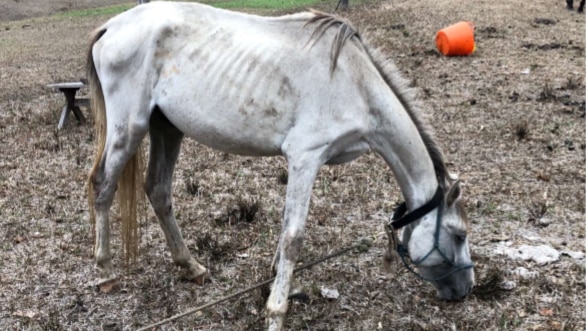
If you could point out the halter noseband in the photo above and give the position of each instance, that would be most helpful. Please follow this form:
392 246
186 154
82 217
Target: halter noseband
400 219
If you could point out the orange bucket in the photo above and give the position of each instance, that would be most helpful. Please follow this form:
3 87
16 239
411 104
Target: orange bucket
456 39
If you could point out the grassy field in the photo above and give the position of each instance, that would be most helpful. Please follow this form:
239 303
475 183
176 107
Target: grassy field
510 118
66 9
243 5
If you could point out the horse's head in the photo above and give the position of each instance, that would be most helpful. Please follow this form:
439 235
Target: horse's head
438 246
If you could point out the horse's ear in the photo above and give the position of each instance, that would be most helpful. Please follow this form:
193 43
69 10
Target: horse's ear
454 193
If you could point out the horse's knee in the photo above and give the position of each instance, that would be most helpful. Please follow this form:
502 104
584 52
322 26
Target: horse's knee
292 244
288 248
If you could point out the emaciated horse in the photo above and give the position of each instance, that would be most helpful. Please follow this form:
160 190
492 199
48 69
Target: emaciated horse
304 86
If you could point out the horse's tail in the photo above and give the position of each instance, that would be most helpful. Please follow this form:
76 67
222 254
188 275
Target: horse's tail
130 192
97 105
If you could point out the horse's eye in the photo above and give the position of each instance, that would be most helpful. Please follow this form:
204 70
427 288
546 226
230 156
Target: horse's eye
460 238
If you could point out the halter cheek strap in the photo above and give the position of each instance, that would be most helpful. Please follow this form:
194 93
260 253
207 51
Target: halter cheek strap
399 219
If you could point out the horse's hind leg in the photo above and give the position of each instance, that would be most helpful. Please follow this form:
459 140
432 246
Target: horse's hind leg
119 148
165 145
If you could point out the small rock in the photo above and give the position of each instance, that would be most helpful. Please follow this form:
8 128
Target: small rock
524 273
531 236
542 254
330 293
544 221
547 299
507 285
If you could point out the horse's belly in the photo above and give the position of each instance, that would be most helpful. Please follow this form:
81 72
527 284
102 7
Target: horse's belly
230 132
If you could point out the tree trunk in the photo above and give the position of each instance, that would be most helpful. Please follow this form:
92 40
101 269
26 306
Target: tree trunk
344 4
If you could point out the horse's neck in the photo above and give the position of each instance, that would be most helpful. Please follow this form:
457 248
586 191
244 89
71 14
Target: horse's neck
417 186
399 142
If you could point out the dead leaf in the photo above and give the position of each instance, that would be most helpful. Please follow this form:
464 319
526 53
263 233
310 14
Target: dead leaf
556 325
546 312
19 239
25 313
543 177
499 237
109 286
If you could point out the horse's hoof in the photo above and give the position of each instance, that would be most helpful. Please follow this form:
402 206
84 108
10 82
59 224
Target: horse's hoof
274 323
200 279
299 295
107 285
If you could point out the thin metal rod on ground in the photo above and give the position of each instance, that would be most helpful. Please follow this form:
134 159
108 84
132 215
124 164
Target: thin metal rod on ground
362 243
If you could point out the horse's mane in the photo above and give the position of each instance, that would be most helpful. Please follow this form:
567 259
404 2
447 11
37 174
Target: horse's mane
325 22
392 77
406 96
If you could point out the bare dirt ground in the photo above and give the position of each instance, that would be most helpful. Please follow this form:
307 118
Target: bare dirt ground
510 118
11 10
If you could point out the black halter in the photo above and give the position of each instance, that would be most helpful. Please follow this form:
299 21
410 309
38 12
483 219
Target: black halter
399 219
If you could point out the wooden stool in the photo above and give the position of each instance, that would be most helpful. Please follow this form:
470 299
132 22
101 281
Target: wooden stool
71 103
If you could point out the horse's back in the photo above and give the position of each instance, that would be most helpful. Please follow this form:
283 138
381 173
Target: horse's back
233 81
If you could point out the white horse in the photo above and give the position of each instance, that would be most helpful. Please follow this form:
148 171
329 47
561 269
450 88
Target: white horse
304 86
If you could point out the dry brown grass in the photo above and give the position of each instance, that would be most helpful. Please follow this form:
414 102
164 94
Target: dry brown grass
516 139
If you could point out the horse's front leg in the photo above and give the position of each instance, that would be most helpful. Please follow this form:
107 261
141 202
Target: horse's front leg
302 171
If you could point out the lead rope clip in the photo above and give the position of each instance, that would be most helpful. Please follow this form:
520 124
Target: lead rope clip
390 256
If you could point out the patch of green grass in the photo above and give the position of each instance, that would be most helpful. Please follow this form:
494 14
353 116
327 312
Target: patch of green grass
227 4
264 4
